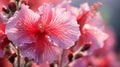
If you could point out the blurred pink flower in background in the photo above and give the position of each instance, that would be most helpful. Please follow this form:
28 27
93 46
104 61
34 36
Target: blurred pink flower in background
45 64
4 62
100 58
93 37
34 4
3 3
91 27
3 39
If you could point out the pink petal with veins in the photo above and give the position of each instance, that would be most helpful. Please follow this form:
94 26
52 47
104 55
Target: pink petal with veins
40 36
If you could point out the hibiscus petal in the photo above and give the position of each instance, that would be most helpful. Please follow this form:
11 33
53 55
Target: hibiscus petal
93 36
63 28
15 29
98 34
41 51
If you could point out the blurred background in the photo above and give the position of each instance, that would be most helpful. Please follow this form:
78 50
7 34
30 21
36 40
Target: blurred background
111 14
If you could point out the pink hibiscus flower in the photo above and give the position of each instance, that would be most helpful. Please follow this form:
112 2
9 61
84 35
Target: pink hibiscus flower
92 28
40 36
92 36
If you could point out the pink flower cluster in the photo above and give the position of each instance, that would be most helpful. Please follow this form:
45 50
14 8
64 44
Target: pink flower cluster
53 33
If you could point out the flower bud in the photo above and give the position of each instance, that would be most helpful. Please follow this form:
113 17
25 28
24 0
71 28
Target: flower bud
78 56
70 56
86 47
4 9
52 65
12 58
12 6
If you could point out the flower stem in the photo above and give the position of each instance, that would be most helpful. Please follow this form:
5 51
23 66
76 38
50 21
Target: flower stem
74 55
25 64
61 60
18 4
18 57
